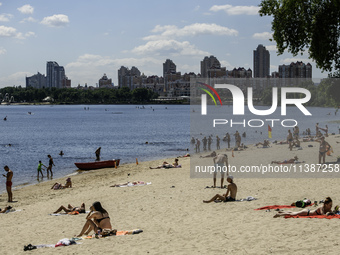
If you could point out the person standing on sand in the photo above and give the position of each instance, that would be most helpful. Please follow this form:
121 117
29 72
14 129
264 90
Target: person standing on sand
9 177
290 139
324 147
50 164
218 142
204 140
220 161
232 190
228 140
98 153
209 143
198 145
39 169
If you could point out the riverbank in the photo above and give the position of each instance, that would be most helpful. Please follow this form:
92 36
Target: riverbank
171 213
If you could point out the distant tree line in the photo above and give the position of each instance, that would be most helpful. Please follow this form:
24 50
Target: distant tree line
326 94
79 96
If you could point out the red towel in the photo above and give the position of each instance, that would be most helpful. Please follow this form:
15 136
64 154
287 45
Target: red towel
337 216
278 207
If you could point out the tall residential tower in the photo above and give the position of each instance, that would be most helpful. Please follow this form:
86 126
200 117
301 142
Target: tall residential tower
261 62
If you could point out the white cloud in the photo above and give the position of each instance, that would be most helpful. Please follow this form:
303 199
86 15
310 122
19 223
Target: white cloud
89 68
271 48
166 47
196 8
2 51
57 20
0 4
171 31
8 31
236 10
26 9
16 79
5 17
29 34
290 60
29 19
12 32
226 64
263 36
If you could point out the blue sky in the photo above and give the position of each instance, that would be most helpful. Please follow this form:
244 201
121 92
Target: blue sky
90 38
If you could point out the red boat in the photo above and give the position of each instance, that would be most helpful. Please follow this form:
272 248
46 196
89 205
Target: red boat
98 164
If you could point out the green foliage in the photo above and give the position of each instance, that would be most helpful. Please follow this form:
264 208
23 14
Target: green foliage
326 94
78 96
306 24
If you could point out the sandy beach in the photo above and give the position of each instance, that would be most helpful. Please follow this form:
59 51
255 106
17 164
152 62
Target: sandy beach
171 213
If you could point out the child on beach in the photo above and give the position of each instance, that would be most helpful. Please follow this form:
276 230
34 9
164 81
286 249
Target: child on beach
39 169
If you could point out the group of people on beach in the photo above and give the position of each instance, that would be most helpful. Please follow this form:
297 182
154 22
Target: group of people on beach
47 168
207 142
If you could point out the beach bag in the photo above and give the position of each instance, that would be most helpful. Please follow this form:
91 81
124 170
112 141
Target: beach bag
300 203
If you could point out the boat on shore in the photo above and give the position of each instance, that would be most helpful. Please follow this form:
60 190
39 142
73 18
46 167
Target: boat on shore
98 164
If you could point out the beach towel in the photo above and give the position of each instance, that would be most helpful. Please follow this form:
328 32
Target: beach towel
132 184
118 233
62 242
278 207
12 210
250 198
70 213
337 216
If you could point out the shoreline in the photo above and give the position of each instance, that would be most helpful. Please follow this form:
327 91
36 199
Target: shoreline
170 211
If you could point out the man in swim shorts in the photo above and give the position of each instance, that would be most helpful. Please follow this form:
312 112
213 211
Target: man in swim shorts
221 165
324 147
9 176
230 196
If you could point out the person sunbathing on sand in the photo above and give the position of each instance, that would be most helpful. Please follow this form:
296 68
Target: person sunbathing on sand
232 190
166 165
58 185
213 154
5 209
98 220
264 144
127 183
292 160
71 208
325 209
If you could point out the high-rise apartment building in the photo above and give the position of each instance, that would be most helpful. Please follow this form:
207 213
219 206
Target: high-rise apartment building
261 62
168 67
296 70
55 75
37 81
126 77
169 73
105 82
210 65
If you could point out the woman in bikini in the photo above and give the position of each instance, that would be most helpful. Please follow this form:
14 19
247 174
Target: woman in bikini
325 209
97 220
71 209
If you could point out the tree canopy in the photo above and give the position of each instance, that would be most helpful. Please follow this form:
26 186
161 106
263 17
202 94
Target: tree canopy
312 25
77 96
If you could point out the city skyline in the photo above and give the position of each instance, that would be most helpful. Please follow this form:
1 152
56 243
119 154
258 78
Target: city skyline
93 38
